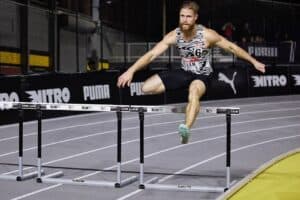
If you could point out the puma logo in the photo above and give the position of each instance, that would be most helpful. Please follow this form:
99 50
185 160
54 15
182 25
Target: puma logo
224 78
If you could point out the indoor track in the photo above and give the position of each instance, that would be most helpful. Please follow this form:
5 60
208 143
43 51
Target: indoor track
81 145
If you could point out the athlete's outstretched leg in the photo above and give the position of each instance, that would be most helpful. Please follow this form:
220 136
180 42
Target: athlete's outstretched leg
153 85
196 90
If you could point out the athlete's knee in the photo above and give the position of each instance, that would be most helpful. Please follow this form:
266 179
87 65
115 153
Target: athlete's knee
197 87
146 88
196 90
153 85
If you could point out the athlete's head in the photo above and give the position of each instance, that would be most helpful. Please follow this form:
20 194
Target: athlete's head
188 15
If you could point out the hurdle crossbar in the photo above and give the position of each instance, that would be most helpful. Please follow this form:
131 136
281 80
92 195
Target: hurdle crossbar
112 108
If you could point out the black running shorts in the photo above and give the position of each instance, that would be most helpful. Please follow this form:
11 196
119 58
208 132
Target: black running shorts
180 79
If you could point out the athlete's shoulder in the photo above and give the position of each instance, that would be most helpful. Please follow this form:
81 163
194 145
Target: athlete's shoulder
170 37
211 36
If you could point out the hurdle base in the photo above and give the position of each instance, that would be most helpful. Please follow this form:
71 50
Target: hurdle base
53 175
8 177
82 182
20 178
29 176
183 188
126 182
151 181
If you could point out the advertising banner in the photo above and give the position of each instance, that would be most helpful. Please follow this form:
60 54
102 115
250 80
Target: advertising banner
295 79
228 82
9 91
96 87
274 82
49 88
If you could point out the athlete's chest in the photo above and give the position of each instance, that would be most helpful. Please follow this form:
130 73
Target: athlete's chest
194 48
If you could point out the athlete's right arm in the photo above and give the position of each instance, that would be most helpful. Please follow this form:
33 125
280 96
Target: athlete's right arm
161 47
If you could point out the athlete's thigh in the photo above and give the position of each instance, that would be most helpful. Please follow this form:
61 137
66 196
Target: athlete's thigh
153 85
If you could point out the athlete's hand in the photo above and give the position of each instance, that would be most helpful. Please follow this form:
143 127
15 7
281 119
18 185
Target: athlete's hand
260 66
125 79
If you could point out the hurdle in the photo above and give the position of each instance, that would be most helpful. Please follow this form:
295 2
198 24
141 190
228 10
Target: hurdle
56 176
21 176
141 110
228 111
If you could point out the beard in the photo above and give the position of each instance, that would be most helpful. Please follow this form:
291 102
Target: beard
186 27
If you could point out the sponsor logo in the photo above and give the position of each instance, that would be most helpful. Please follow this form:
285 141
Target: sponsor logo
136 89
13 96
269 81
53 95
263 51
224 78
297 80
96 92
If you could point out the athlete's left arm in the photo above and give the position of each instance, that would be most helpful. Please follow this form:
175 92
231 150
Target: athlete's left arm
213 38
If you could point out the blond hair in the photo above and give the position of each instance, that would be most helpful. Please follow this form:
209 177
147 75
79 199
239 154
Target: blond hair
190 5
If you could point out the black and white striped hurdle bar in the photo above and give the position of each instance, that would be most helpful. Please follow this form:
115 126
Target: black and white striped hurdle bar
113 108
141 109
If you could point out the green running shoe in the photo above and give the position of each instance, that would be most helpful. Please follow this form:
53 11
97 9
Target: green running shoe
184 133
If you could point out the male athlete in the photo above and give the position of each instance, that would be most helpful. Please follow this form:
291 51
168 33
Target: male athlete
193 42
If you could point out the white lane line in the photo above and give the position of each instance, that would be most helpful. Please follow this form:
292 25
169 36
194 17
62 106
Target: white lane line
208 160
76 126
136 127
55 119
130 194
177 147
154 115
36 192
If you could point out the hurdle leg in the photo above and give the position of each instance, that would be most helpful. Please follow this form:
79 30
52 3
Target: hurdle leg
143 184
20 160
129 180
40 171
39 145
119 148
21 176
141 117
228 149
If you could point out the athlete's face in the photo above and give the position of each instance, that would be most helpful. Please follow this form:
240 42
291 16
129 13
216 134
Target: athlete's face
187 19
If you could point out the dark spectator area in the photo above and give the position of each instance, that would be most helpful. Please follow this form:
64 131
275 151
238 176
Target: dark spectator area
77 36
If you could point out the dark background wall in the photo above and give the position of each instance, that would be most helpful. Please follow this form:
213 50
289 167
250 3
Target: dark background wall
71 33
